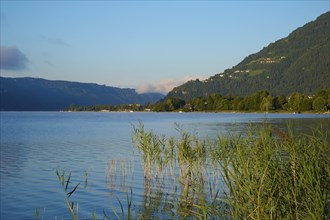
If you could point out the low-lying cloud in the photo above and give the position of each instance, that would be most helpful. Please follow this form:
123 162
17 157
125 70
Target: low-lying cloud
11 58
165 86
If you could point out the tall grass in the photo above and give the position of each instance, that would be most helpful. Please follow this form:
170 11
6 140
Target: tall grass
151 148
265 173
268 173
274 177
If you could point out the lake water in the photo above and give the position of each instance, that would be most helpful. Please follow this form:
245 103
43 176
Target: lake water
97 149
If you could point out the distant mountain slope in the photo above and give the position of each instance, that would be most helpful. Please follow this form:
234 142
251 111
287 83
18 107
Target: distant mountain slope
297 63
34 94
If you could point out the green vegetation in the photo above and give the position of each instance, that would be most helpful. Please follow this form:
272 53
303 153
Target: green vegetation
65 186
99 107
268 173
297 63
129 208
259 101
270 178
265 173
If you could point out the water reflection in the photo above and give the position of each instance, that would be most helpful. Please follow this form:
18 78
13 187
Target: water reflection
32 144
167 195
180 185
12 157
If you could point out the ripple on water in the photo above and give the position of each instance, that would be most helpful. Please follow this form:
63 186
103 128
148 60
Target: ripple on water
33 145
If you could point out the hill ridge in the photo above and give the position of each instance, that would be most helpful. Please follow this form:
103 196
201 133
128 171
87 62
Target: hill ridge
37 94
299 62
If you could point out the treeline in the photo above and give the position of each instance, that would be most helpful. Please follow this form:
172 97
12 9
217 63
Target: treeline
259 101
110 108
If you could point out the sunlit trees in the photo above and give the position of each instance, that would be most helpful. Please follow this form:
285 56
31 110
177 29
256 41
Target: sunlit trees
266 103
321 101
299 102
319 104
259 101
253 102
198 104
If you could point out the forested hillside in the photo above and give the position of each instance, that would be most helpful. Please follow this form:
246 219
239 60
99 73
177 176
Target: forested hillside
32 94
297 63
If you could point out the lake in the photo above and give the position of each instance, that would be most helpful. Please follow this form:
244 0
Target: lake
97 149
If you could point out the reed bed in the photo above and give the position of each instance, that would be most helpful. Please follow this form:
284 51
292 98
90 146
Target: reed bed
276 177
267 173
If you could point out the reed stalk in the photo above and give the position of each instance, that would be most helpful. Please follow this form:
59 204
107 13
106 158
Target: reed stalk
266 174
65 182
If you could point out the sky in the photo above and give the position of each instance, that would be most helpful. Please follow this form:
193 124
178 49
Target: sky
151 46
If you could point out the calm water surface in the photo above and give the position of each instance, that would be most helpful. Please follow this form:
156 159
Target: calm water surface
35 144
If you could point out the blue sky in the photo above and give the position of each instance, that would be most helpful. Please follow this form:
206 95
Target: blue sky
148 45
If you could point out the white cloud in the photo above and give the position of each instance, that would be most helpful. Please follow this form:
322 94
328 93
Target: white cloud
165 86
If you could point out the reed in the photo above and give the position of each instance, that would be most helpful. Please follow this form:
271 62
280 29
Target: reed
268 174
65 182
111 173
265 173
150 146
123 174
36 213
271 177
127 216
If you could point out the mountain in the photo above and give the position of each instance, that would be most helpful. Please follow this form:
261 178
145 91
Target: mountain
35 94
299 62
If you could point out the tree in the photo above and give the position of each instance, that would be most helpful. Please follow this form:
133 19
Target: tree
198 104
223 104
299 102
319 104
279 102
212 101
306 104
252 102
266 103
169 104
235 103
72 107
159 107
295 101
